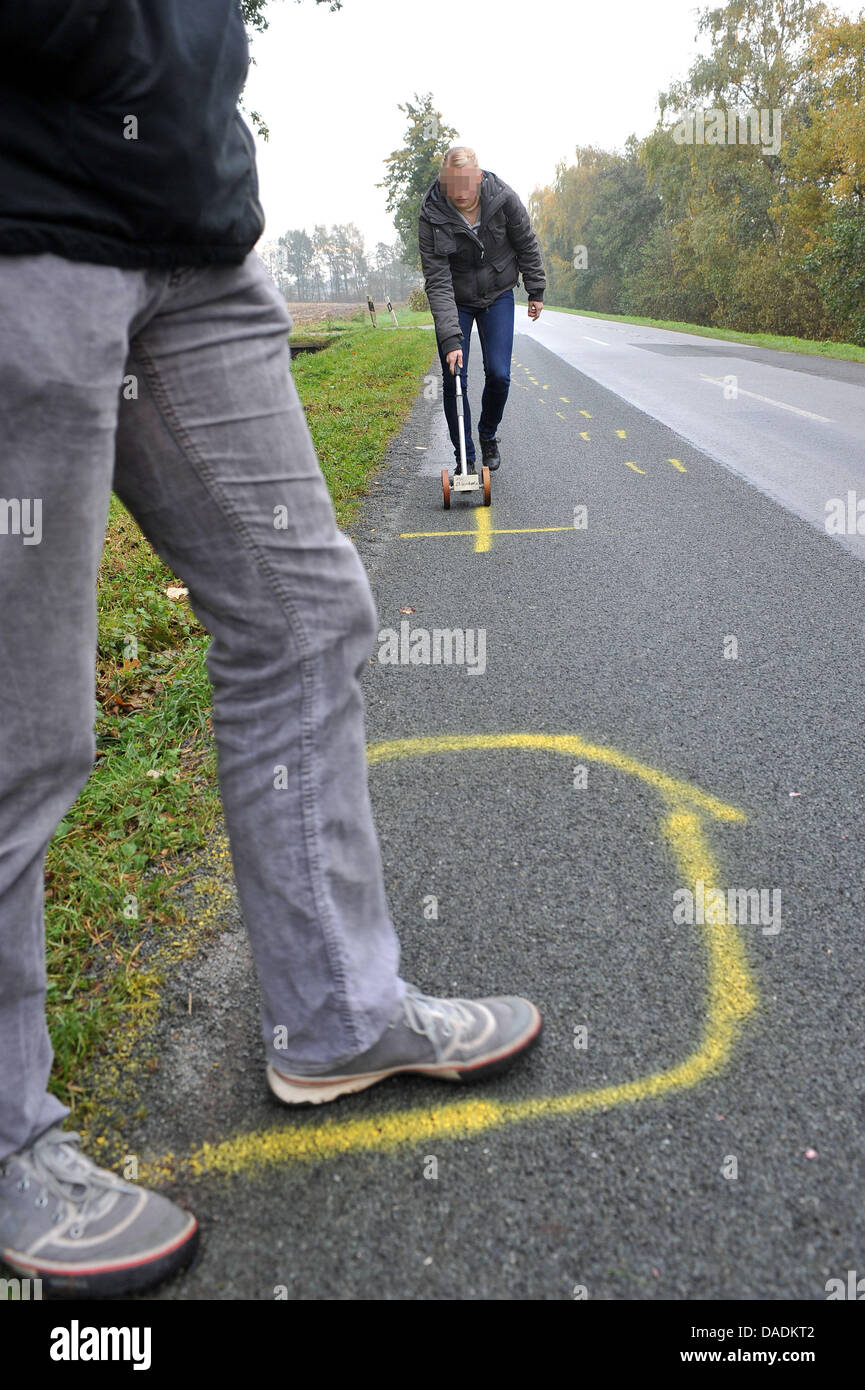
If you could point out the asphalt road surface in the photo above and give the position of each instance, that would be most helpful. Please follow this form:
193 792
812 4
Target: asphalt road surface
670 692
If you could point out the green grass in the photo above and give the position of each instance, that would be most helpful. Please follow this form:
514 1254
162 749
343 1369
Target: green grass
117 858
356 394
848 352
114 922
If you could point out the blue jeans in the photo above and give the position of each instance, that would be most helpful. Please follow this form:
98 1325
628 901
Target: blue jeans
174 388
496 332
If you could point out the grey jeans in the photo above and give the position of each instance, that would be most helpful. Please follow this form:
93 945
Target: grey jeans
174 388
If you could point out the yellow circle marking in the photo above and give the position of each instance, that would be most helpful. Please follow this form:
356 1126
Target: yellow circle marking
730 997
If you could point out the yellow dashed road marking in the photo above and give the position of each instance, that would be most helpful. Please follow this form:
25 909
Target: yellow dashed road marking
621 434
676 464
634 466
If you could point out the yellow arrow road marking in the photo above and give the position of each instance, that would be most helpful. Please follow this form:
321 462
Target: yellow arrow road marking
730 998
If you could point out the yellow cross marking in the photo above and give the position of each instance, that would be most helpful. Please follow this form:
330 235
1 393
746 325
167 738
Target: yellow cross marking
484 531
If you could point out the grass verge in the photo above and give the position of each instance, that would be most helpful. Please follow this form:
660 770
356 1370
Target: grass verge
114 921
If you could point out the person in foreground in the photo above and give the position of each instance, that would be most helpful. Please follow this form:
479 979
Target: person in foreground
143 348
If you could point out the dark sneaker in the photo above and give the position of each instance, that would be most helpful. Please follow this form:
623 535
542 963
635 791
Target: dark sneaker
82 1230
447 1039
490 452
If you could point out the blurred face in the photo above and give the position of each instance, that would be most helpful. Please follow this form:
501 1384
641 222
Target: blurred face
461 184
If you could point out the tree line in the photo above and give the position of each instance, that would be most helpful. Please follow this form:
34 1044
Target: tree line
745 206
332 264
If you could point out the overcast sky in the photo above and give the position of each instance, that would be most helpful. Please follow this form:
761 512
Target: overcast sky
523 84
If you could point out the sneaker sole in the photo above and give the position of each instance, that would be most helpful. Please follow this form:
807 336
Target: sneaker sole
296 1090
63 1279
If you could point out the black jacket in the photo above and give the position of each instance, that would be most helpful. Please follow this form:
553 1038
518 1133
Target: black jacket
462 266
77 79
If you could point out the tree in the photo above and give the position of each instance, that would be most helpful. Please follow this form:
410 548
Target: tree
411 169
299 254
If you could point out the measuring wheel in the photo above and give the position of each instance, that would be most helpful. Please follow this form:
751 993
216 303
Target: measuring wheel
446 489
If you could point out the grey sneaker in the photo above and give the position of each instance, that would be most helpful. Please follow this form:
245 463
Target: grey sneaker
449 1039
81 1229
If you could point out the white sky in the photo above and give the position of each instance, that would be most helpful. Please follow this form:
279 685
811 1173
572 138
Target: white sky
523 84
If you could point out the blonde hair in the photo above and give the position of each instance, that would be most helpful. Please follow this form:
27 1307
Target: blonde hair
459 155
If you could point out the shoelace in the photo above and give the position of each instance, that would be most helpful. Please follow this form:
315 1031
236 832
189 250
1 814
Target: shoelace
61 1171
423 1013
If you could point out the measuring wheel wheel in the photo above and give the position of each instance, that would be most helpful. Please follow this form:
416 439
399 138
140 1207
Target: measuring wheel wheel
446 489
485 476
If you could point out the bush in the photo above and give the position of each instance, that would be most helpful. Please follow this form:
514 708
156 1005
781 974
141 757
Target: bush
417 300
838 263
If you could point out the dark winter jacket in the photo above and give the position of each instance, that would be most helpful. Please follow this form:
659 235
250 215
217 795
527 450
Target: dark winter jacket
78 80
469 267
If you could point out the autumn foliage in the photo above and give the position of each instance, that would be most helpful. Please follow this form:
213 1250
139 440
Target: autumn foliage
736 235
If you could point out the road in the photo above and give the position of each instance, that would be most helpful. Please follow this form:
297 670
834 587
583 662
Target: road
670 694
790 423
